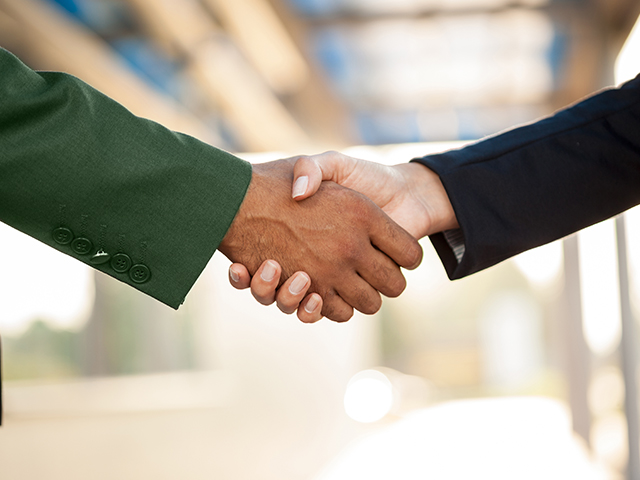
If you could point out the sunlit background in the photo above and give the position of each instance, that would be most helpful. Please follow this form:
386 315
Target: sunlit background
516 372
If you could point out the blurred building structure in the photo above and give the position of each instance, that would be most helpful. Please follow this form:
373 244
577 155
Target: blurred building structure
227 389
276 75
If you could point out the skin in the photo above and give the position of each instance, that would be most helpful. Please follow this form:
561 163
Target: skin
308 307
411 194
348 248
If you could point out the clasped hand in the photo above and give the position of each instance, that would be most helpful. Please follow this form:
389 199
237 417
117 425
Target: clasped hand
345 226
344 250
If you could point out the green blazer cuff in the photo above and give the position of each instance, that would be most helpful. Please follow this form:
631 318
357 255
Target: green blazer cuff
122 194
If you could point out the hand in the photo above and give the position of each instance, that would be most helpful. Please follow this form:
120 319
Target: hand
349 248
411 194
289 297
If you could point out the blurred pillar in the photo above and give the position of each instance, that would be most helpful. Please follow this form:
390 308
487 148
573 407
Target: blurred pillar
627 347
316 103
578 354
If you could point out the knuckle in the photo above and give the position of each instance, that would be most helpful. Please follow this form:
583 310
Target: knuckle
371 304
336 312
330 153
303 159
361 208
414 255
352 251
396 285
356 248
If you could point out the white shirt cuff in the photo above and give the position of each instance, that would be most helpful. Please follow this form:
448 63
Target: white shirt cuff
455 239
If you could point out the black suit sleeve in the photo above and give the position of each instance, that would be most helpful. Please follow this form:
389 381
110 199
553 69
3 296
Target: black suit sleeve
540 182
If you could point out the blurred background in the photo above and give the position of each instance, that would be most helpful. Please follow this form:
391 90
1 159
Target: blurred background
526 370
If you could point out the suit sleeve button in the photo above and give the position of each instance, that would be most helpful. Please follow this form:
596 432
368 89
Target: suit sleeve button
81 246
140 273
101 257
121 262
62 236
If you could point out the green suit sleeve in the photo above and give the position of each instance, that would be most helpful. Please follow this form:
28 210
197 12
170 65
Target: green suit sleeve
122 194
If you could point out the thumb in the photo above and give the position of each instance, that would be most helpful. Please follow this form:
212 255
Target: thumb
310 171
307 177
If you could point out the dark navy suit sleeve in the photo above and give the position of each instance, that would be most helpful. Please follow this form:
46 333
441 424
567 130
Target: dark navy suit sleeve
540 182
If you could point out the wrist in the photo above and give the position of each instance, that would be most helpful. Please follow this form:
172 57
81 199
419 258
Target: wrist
426 186
263 206
232 240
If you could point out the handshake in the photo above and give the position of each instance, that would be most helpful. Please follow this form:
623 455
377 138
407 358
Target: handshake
327 234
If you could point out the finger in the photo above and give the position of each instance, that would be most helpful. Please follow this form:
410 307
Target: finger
335 308
396 242
239 276
291 293
360 295
381 273
265 282
310 310
310 171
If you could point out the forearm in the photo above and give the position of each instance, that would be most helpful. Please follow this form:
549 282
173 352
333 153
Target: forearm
71 157
540 182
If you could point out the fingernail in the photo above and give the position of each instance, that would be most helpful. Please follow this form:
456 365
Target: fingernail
234 275
300 186
268 272
312 304
298 284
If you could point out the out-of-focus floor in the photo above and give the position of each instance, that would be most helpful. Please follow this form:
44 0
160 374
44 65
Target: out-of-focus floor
524 438
232 441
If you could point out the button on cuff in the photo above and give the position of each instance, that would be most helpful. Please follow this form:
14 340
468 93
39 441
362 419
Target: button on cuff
82 246
100 258
139 273
62 236
121 262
